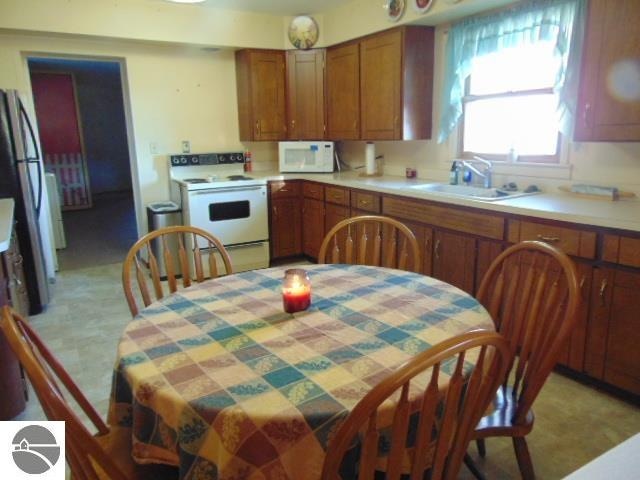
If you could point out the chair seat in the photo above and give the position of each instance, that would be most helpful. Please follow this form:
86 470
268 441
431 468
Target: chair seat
499 422
117 444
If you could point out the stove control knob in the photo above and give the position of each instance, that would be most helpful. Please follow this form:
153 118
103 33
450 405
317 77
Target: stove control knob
183 160
194 160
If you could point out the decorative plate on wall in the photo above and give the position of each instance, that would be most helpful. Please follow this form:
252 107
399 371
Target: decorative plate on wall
395 9
422 6
303 32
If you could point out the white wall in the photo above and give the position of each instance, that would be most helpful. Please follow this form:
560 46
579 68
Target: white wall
176 93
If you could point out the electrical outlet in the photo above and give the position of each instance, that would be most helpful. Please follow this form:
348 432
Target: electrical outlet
153 148
186 146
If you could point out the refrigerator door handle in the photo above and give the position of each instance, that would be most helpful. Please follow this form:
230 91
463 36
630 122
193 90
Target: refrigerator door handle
40 180
26 120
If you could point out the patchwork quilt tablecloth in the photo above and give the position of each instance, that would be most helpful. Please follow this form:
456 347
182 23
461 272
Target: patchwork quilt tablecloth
218 380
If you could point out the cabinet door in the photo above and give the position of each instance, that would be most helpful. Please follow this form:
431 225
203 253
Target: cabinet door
609 102
488 251
312 226
261 103
333 214
343 92
305 94
286 239
17 285
613 335
454 259
574 354
380 86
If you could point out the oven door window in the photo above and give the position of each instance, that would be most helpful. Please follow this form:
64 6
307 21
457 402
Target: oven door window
229 210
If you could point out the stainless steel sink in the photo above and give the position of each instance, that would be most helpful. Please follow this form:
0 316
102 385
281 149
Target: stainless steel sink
469 191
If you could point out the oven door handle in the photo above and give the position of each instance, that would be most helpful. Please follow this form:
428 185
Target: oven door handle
226 189
238 246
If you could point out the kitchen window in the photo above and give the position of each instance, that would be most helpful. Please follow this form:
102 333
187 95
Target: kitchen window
511 80
510 108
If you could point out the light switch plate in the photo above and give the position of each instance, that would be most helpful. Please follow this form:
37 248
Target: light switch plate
186 146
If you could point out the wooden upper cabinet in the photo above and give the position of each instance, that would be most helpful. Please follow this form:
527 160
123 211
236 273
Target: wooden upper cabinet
609 106
305 94
261 97
396 84
343 92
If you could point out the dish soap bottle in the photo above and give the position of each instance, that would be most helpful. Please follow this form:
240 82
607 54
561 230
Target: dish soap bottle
453 174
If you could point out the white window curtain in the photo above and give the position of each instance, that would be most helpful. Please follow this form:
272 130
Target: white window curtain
559 21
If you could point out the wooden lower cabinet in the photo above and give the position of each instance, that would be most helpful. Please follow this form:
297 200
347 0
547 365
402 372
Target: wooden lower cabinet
12 291
312 226
454 258
286 228
613 335
332 215
574 354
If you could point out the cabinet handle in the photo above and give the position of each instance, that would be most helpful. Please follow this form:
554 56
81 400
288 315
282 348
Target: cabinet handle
355 124
364 202
283 190
436 250
582 280
548 239
603 288
258 127
586 114
293 124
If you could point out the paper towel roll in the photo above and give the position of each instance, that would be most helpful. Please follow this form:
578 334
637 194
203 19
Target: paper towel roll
370 159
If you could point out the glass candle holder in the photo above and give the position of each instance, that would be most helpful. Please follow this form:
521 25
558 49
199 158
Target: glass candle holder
296 290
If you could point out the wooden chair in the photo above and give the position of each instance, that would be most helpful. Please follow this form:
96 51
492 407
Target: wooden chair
371 240
191 246
446 416
532 293
107 455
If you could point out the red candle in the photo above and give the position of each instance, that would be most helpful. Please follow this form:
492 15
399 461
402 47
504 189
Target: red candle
296 290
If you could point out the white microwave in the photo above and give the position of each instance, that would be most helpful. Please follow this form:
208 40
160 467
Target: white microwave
297 157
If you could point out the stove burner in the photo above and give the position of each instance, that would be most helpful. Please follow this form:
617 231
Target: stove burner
239 177
196 180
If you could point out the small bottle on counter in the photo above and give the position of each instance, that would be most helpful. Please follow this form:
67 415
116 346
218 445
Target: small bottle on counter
248 167
453 174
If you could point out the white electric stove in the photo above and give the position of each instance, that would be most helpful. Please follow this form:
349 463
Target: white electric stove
216 195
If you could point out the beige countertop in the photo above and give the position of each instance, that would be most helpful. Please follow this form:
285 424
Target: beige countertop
6 223
622 214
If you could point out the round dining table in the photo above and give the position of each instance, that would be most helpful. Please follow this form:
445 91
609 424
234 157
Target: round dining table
219 380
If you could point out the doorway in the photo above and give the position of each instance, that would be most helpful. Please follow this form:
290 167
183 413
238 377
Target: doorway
80 112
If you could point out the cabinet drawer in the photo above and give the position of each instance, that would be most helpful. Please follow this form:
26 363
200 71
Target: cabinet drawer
284 189
337 195
369 202
572 241
468 221
622 250
313 190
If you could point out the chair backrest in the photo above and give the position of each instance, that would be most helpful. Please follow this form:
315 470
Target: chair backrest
531 291
47 376
371 240
184 251
446 415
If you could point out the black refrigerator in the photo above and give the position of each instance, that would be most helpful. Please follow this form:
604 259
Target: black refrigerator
21 178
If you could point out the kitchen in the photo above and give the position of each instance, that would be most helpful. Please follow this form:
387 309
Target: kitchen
180 88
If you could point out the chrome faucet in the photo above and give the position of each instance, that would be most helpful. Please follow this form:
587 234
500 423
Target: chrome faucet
485 173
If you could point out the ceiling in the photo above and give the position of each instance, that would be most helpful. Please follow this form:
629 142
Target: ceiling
278 7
